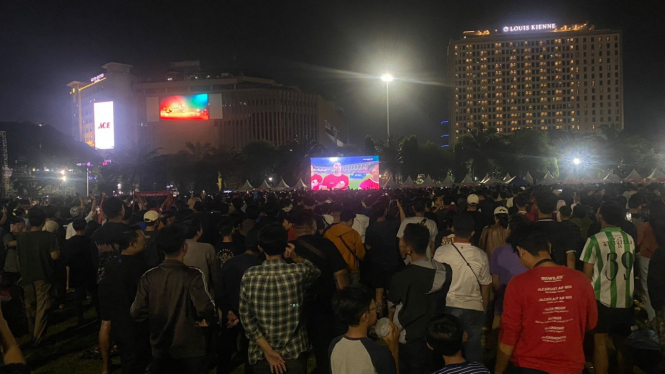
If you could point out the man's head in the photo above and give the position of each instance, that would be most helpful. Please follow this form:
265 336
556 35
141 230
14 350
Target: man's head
194 228
635 203
546 202
347 215
303 222
131 241
445 335
612 214
565 212
151 217
531 244
472 201
17 225
226 228
309 202
520 201
337 168
252 212
415 239
272 239
419 205
36 217
171 241
374 170
113 208
355 306
463 225
79 225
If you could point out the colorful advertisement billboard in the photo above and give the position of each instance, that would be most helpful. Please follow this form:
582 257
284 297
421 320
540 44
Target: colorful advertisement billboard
104 125
343 173
184 108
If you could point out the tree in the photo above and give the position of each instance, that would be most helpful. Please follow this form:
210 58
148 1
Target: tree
258 160
410 157
390 155
370 146
134 166
294 158
477 152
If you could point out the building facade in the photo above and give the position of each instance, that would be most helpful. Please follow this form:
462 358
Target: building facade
235 110
541 76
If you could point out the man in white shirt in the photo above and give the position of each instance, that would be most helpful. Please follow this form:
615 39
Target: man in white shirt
419 205
469 291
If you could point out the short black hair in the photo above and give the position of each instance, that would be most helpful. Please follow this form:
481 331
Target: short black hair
612 213
565 211
127 237
347 215
193 226
272 239
635 201
309 201
252 212
112 207
546 201
170 239
350 303
416 236
530 237
463 224
302 217
79 224
36 216
445 335
520 200
419 205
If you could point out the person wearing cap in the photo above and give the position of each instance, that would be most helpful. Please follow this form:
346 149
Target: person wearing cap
348 243
480 220
495 235
152 223
77 212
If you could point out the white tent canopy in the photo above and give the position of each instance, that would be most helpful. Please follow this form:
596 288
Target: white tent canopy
390 184
656 175
300 184
468 181
492 180
485 178
507 178
428 182
408 183
612 178
448 181
548 180
265 186
246 187
282 186
634 177
528 178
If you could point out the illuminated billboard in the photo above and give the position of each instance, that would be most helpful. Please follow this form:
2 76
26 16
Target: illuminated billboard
104 125
184 108
342 173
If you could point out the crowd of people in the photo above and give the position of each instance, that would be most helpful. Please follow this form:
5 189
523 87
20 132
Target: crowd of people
461 280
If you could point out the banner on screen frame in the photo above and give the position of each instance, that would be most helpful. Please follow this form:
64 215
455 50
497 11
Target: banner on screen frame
104 125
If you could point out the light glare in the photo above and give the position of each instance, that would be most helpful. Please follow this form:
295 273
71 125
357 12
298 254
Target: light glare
577 161
387 77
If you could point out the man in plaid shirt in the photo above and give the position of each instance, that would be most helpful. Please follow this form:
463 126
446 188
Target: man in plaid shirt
271 305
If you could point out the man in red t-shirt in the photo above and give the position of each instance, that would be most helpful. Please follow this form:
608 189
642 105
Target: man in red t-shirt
546 311
336 180
373 182
316 180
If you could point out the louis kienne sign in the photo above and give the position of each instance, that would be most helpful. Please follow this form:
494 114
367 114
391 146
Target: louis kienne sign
537 27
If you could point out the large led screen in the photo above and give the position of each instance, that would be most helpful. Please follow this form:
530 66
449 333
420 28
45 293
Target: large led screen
343 173
184 108
104 125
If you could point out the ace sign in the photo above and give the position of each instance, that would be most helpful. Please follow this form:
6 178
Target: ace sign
104 125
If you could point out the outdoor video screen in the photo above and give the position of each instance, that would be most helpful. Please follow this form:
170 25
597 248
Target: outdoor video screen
343 173
184 108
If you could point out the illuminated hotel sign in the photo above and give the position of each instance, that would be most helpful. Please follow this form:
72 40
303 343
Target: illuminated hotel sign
104 125
95 79
538 27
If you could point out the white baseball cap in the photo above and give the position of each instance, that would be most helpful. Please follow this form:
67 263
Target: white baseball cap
472 199
500 210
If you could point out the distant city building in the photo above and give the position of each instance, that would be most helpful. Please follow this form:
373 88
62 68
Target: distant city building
187 105
541 76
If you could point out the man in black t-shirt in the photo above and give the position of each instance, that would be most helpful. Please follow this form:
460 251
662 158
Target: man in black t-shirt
117 291
560 237
382 251
309 203
325 256
77 259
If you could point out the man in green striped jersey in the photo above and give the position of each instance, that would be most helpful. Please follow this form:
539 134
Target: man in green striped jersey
608 262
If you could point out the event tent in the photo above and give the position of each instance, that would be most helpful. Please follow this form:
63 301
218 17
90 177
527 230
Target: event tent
300 184
612 178
468 181
507 178
633 177
492 180
548 180
264 186
390 184
246 187
408 183
528 178
485 178
428 182
656 176
448 182
282 186
517 181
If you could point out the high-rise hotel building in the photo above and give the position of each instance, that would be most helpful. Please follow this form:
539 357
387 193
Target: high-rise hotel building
541 76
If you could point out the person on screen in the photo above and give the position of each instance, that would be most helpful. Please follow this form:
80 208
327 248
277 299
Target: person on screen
373 182
336 180
316 179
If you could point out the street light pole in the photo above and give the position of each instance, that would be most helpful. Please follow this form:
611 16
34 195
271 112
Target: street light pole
387 78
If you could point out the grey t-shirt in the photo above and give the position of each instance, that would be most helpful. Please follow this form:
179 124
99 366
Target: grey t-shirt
359 356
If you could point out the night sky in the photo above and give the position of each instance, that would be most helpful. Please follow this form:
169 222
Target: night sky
334 48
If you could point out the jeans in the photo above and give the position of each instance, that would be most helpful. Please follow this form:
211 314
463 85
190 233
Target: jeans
643 263
293 366
472 322
167 365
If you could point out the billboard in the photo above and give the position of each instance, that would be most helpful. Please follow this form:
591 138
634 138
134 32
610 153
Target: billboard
104 125
343 173
184 108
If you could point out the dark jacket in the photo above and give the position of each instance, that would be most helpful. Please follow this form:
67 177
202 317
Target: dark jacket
173 297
